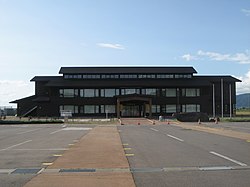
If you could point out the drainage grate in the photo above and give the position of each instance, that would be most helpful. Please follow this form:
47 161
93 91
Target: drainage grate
26 171
77 170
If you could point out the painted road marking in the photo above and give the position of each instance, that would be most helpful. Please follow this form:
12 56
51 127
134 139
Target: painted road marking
125 144
215 168
47 163
57 155
52 149
248 140
76 129
227 158
175 137
15 145
127 148
72 129
56 131
27 131
154 129
71 144
129 154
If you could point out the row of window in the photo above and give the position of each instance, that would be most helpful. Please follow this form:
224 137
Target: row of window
166 92
96 109
88 109
173 108
126 76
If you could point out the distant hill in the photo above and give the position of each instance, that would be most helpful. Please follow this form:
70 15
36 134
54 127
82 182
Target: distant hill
243 101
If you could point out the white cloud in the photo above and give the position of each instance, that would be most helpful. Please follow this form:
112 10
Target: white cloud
246 12
241 58
12 90
188 57
108 45
244 86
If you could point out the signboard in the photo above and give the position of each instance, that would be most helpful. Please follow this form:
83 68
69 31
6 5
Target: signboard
66 113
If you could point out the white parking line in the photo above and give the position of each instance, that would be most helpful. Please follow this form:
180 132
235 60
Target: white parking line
52 149
227 158
56 131
154 129
15 145
175 137
27 131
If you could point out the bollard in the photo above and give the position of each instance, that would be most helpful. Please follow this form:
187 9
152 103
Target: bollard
153 122
216 121
168 122
138 123
199 122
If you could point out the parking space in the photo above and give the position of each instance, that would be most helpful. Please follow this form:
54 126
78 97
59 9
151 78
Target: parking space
33 147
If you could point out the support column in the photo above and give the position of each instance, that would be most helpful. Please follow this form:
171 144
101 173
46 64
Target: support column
118 108
150 108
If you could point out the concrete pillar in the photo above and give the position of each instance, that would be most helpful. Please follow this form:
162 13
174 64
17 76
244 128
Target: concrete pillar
118 108
150 108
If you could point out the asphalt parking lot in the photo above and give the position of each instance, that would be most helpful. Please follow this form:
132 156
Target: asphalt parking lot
158 155
173 156
27 147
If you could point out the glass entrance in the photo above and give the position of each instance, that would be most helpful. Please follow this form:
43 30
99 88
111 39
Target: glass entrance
132 110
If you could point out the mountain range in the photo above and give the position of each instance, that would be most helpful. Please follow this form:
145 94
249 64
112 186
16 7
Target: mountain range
243 101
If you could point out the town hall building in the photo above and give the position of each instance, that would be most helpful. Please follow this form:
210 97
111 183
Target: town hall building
129 92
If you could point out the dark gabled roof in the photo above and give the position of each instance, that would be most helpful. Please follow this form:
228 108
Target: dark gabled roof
45 78
23 99
126 69
217 78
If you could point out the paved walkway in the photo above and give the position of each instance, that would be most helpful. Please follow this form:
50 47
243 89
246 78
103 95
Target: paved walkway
101 148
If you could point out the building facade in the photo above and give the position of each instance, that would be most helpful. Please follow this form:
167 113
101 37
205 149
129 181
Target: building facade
129 92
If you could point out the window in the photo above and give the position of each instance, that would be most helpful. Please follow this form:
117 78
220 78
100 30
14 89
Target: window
156 108
109 92
72 108
190 108
68 92
108 109
126 91
190 92
169 92
150 91
89 93
90 109
170 108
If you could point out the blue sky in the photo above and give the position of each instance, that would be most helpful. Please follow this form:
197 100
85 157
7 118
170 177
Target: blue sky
37 37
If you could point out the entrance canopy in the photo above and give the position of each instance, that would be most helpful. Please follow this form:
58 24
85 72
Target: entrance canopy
134 105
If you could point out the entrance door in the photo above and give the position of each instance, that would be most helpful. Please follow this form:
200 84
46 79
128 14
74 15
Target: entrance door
132 110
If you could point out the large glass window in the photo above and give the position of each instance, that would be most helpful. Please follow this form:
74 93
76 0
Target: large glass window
108 109
90 109
170 108
190 108
169 92
68 92
109 92
190 92
156 108
72 108
150 91
126 91
89 92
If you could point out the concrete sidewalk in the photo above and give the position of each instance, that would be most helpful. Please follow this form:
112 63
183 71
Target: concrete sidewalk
101 148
